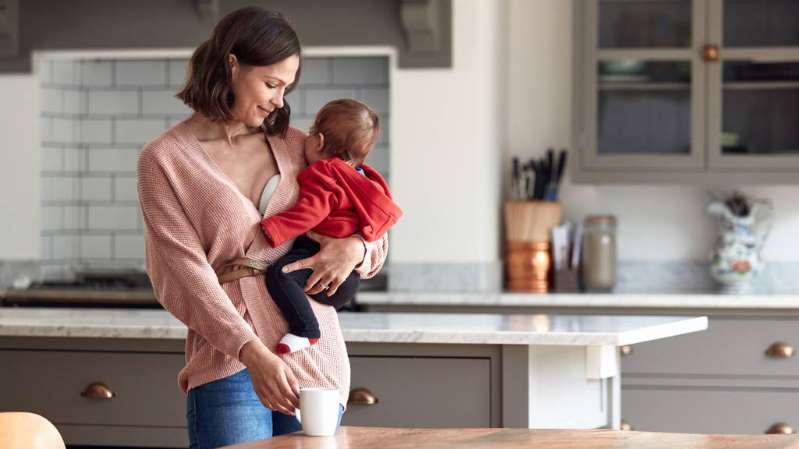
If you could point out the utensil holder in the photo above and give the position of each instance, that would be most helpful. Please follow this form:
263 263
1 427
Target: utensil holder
528 262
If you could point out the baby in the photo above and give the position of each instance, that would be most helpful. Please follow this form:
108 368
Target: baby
339 196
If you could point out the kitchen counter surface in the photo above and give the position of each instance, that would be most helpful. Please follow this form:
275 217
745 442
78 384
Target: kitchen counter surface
619 300
574 330
397 438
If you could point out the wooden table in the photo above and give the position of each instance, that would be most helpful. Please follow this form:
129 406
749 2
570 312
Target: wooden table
399 438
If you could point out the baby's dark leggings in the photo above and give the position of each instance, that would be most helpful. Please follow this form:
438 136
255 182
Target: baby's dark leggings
287 290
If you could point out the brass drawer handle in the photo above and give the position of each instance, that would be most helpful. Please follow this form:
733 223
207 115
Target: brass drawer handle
626 350
711 53
780 350
780 428
362 396
98 390
625 426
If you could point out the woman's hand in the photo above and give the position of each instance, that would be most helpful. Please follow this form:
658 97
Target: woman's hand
331 265
273 381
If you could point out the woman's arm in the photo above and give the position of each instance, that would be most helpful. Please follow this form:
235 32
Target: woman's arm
337 258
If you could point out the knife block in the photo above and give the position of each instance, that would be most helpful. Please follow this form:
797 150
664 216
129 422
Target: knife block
528 262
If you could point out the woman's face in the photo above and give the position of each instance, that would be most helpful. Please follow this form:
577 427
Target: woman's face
259 90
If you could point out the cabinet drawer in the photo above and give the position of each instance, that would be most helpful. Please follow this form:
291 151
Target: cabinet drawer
422 392
708 411
728 347
50 383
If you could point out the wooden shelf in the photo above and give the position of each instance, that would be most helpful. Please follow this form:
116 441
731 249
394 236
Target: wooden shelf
760 85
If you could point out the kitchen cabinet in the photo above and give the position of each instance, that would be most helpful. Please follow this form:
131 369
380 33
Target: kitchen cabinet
697 91
739 376
107 377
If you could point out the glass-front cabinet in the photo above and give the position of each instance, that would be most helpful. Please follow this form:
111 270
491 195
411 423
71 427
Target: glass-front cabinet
687 90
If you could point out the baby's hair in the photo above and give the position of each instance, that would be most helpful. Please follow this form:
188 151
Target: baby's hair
350 129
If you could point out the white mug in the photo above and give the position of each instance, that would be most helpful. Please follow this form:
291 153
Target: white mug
319 411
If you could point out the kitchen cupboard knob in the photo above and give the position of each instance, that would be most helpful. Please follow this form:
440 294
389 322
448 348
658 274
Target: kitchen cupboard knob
780 428
780 350
626 350
97 390
625 425
711 53
362 396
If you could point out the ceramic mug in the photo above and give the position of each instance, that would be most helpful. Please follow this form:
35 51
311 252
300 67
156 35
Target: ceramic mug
319 411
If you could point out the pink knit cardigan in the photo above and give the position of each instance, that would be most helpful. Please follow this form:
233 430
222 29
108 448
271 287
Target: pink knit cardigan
196 220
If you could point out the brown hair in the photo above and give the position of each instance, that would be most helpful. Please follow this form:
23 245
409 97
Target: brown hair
350 129
258 38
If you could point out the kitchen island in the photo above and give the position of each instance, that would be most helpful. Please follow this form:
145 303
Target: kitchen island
104 375
740 376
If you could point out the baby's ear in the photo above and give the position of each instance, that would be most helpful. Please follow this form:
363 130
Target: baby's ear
316 142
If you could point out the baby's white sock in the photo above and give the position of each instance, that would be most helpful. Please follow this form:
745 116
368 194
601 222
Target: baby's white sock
293 343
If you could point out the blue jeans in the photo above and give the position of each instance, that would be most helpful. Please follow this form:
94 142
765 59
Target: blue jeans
227 411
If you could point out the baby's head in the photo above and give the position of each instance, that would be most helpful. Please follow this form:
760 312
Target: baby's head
346 129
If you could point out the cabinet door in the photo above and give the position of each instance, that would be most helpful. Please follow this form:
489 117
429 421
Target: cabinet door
753 109
641 81
422 392
708 411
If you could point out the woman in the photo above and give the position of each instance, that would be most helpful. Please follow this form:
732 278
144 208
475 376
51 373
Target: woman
200 187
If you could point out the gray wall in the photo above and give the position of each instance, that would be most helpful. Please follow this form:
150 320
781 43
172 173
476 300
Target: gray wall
148 24
96 116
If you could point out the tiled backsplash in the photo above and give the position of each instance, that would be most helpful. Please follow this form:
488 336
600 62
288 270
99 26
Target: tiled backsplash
97 114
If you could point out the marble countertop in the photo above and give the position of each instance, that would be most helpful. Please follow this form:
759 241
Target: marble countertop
576 330
609 300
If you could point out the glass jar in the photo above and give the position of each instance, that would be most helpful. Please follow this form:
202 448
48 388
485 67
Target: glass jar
599 253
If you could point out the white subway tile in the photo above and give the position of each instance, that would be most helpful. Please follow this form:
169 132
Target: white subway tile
46 247
296 102
52 218
45 71
376 98
303 124
360 70
95 131
129 246
59 188
74 217
73 159
140 73
113 217
125 189
64 72
51 99
46 129
52 159
63 130
65 246
113 160
315 98
177 72
95 246
96 189
113 102
73 101
316 71
96 73
163 102
138 131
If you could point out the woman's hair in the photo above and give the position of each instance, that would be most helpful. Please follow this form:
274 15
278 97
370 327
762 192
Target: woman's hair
258 38
350 129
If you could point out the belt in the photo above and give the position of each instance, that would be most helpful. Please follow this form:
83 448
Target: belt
241 268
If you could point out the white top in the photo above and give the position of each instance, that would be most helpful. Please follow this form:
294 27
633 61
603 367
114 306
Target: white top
269 190
569 330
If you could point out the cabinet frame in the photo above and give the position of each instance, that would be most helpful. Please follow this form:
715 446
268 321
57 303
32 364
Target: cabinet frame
704 164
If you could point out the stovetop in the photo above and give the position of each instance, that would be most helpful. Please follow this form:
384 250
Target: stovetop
87 289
